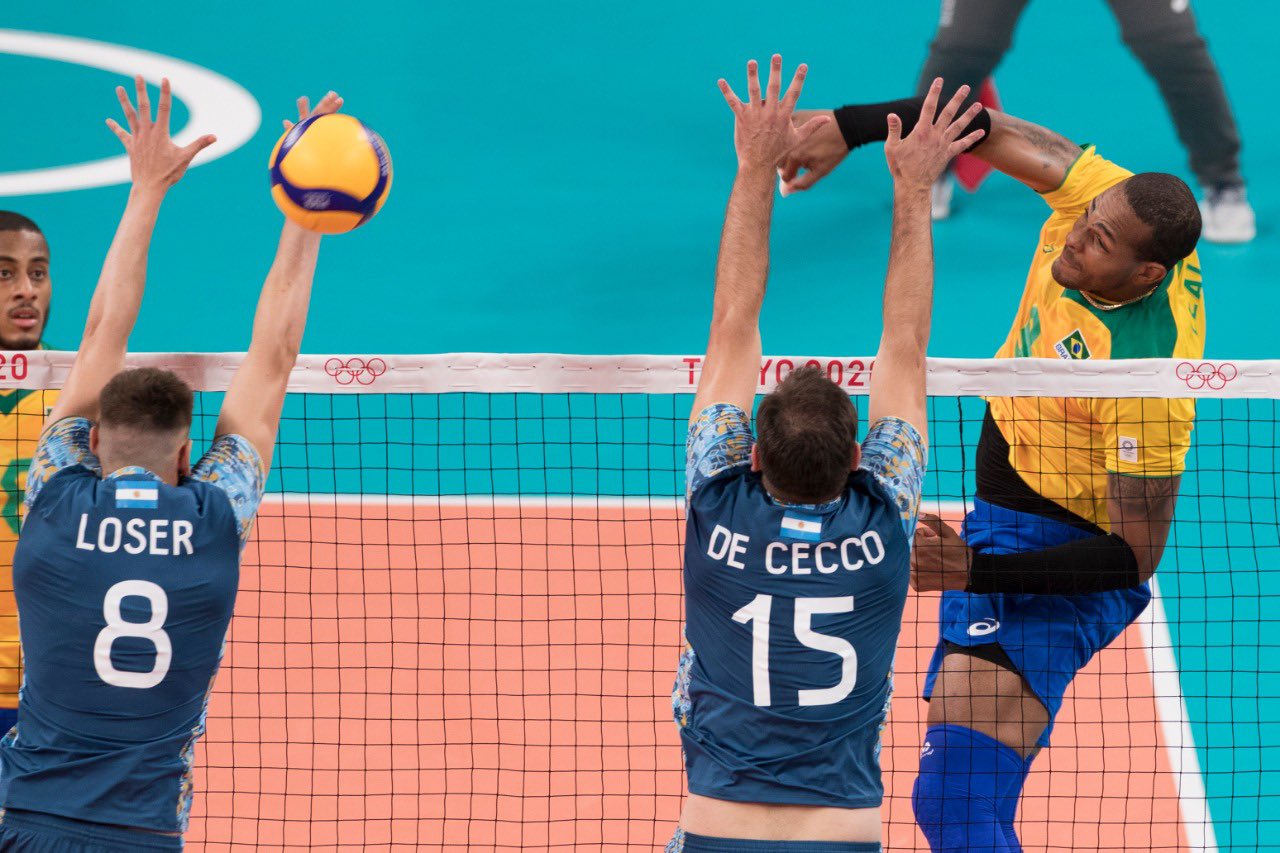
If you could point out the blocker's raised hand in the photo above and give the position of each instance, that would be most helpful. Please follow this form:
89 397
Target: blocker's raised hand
154 161
920 158
329 104
763 132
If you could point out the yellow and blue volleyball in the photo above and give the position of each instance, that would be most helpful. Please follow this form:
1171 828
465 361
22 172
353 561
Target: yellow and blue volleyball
330 173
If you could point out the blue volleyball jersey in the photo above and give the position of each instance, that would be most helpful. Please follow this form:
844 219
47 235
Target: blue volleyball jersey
125 587
792 615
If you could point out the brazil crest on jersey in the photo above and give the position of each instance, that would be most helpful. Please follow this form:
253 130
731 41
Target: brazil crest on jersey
792 620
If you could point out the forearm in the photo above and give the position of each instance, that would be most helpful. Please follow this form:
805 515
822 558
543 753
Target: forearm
281 315
1140 510
255 399
742 267
908 289
861 124
113 310
1093 564
118 295
1027 152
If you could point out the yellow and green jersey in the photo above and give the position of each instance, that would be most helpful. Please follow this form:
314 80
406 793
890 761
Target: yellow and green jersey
22 417
1064 448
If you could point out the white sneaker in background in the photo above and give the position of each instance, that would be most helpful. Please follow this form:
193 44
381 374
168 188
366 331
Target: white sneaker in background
943 189
1228 216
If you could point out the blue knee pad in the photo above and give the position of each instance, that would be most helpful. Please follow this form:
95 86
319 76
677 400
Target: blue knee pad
966 796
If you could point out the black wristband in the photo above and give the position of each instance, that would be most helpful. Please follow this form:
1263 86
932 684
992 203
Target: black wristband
863 123
1095 564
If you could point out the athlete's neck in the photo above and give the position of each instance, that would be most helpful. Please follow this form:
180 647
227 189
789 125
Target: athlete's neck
154 467
784 498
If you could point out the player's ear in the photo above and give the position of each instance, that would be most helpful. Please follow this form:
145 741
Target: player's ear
755 457
184 459
857 457
1150 274
93 439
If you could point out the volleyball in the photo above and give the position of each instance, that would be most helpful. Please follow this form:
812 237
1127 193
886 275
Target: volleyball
330 173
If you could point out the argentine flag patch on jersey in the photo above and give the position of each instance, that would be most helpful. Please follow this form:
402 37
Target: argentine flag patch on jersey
137 494
797 525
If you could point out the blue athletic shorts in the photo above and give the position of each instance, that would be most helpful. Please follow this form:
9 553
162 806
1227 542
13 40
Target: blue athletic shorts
1048 638
36 832
687 842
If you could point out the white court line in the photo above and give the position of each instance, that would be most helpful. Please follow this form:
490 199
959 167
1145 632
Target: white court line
1175 723
948 509
214 104
663 502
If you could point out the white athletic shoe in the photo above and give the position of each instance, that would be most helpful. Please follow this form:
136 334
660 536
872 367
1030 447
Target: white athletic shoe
943 189
1227 214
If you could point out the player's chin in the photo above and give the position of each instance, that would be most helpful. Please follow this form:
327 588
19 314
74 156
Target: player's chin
13 338
1067 275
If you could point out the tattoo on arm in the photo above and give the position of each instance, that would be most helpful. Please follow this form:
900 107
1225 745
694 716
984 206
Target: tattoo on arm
1027 152
1054 147
1141 511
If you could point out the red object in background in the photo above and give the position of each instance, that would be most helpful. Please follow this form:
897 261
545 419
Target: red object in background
968 169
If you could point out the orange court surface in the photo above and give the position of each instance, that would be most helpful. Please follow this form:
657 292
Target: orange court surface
495 674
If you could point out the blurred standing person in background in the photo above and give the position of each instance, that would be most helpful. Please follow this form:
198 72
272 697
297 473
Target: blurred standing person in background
974 35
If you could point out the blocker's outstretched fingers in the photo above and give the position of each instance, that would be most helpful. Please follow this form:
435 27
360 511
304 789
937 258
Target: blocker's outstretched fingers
948 114
930 105
962 145
797 85
119 131
958 125
329 104
166 104
730 97
144 100
753 83
130 115
775 79
199 145
895 130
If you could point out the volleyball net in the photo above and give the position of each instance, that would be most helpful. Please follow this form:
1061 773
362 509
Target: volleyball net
460 613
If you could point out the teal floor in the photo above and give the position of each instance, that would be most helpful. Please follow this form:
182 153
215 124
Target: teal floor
570 163
561 172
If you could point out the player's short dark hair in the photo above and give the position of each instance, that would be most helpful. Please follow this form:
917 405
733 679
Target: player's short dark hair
147 398
807 430
12 221
1166 204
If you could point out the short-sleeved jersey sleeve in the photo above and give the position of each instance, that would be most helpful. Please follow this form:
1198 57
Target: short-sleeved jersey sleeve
1087 178
719 439
234 465
61 446
1145 437
896 454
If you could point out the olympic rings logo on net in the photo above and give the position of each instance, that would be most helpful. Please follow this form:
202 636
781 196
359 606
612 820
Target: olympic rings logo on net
1207 375
355 370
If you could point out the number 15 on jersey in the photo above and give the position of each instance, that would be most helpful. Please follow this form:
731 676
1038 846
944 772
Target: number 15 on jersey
757 612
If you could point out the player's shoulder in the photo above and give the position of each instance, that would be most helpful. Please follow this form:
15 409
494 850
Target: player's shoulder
725 486
1088 177
719 441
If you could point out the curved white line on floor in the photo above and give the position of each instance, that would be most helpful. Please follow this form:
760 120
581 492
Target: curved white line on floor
215 105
